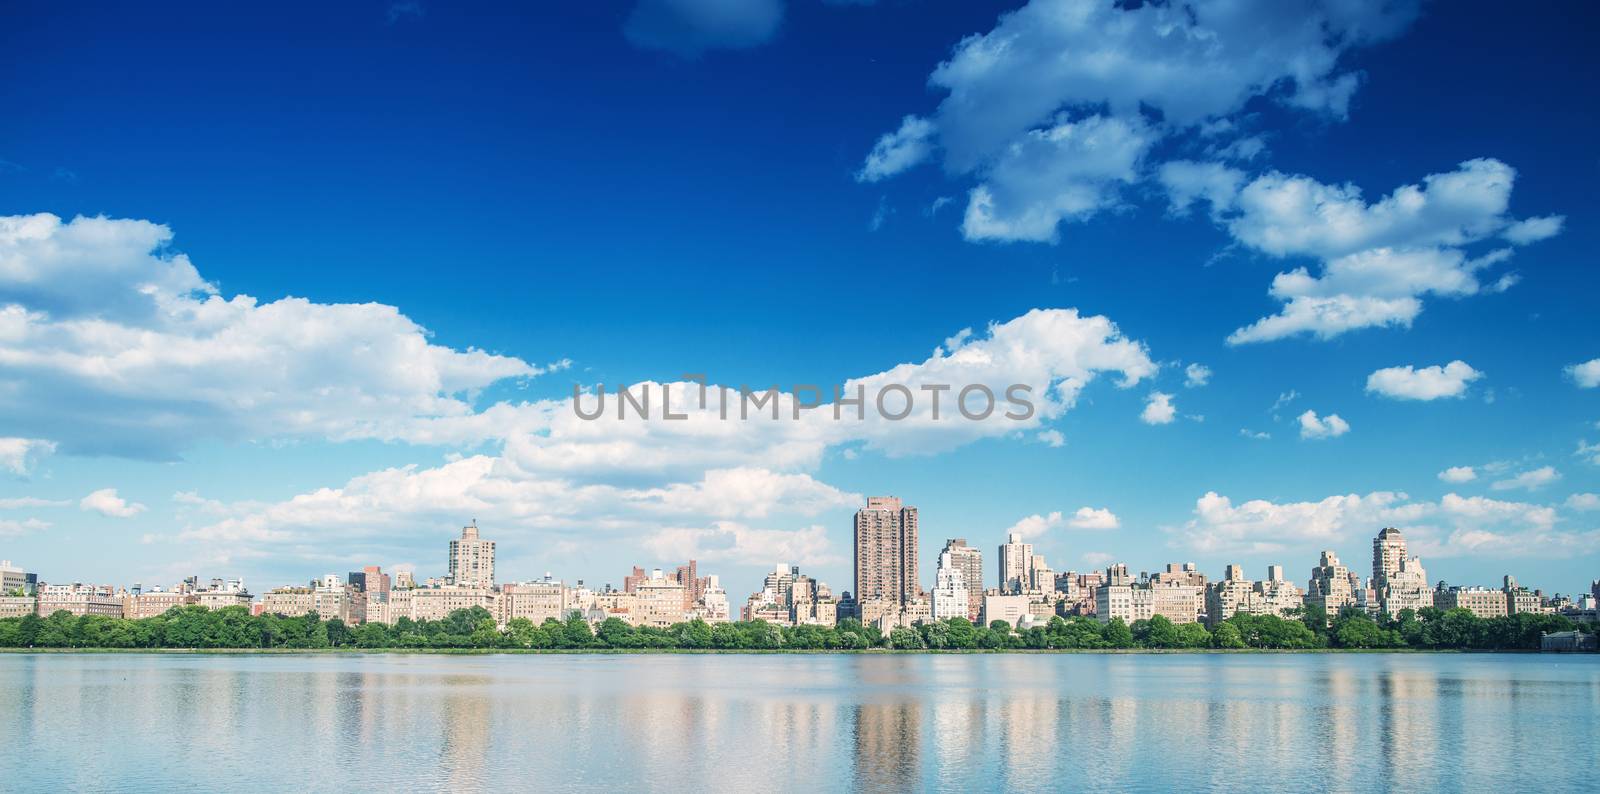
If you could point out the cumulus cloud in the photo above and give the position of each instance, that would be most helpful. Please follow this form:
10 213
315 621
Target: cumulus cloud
106 502
1196 375
1158 409
1531 480
896 151
1260 526
688 28
97 312
1378 260
735 543
1255 435
1427 383
1458 474
1584 501
1586 375
1453 526
1031 527
1055 108
1068 171
1591 452
1330 426
1095 518
19 455
611 480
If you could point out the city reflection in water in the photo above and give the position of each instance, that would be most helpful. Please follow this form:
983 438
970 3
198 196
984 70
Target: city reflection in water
868 722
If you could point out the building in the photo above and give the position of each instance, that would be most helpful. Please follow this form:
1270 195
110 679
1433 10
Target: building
79 599
150 603
970 562
1010 608
15 581
1186 573
1120 598
714 607
886 552
15 606
1480 601
1235 594
1077 591
436 603
791 598
1016 565
1398 582
950 596
1519 600
659 601
1333 586
537 601
1568 642
471 559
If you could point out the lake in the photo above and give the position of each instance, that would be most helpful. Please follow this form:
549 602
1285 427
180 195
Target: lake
339 722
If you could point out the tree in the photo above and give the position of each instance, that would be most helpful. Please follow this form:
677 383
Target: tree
1115 634
1227 636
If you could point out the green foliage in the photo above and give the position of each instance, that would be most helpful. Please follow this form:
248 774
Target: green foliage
235 627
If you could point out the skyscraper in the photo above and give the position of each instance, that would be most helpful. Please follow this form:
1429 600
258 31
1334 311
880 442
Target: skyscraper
1398 581
970 562
471 559
950 598
886 551
1016 564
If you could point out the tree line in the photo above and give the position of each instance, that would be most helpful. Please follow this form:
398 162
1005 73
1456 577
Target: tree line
475 628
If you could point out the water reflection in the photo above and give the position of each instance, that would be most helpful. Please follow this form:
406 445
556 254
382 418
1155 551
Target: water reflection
870 723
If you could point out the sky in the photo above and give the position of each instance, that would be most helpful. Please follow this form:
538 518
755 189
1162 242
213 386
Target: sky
290 289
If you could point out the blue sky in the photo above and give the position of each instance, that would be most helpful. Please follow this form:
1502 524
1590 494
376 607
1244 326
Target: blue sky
796 192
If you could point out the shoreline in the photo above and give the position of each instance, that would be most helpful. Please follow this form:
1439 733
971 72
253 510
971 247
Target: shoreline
747 652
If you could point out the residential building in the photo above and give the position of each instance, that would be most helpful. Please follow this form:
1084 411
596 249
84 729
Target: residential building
79 599
18 606
969 559
1146 598
1480 601
1398 582
886 552
1333 586
660 601
536 601
471 560
950 597
1520 600
1016 565
1236 594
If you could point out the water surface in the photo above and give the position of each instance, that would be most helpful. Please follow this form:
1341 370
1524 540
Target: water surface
333 722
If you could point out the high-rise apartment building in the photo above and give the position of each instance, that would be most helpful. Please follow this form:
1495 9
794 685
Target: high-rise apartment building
950 595
886 551
969 560
471 559
1398 582
1016 564
1333 586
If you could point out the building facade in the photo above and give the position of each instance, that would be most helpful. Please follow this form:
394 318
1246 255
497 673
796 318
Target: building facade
886 552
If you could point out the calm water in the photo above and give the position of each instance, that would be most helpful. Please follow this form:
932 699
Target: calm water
675 723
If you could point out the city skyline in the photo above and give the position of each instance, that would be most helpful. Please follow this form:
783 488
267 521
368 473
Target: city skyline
1270 296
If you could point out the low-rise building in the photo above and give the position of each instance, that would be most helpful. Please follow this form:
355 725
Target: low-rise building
1480 601
80 600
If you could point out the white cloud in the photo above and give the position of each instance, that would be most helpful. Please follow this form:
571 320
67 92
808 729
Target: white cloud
688 28
19 455
1196 375
12 528
1053 438
1458 474
1069 171
1427 383
1589 451
1095 518
896 151
106 502
1534 229
1255 435
1529 480
1260 526
1586 375
1187 182
1584 501
148 359
1158 409
1033 526
1330 426
1010 94
711 482
1378 260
